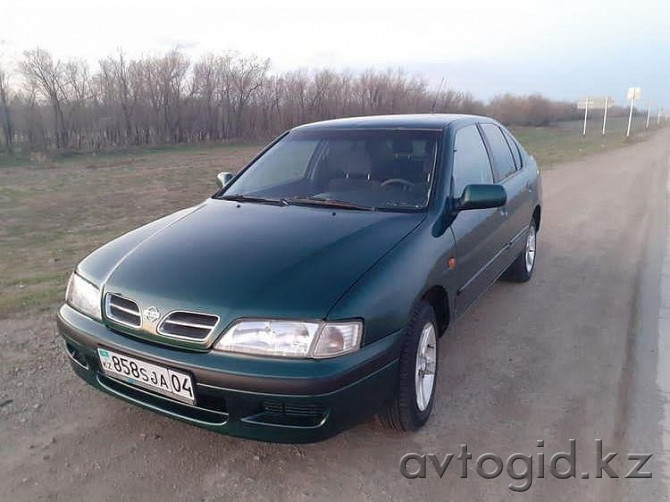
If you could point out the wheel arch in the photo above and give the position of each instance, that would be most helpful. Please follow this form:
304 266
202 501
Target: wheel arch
438 298
537 216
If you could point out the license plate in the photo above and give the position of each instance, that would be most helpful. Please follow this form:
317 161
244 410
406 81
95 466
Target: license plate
171 383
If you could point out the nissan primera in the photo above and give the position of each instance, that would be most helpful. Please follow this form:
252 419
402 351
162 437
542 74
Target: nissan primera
312 289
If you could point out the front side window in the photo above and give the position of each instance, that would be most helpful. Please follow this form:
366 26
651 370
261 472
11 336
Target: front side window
369 169
503 161
471 162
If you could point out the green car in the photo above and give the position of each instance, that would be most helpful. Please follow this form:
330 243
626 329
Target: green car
311 290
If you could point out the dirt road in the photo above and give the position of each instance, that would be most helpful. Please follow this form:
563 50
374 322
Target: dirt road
571 355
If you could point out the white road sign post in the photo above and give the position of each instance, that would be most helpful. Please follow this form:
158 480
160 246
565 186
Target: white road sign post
648 114
584 105
597 103
609 103
633 94
658 119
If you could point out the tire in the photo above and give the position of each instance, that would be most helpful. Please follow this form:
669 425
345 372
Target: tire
407 412
521 269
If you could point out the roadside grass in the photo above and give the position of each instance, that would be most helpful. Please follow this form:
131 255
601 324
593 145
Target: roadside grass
564 142
119 156
54 213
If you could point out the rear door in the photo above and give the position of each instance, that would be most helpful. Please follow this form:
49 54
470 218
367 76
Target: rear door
527 181
506 173
478 244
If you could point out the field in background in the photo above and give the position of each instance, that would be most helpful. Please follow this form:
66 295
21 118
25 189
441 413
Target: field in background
55 212
564 141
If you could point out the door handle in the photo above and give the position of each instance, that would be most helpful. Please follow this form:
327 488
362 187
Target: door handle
503 210
529 186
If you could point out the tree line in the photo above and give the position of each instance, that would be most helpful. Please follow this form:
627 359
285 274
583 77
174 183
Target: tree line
50 104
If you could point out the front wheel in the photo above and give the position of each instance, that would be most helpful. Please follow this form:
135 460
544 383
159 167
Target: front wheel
521 270
415 391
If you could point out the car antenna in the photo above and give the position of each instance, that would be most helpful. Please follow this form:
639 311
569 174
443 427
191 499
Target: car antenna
437 93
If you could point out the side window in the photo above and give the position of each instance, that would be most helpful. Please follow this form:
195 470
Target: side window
471 162
514 146
503 162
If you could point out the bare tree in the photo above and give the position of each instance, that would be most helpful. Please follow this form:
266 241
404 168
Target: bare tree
47 77
247 75
206 85
5 114
77 90
169 99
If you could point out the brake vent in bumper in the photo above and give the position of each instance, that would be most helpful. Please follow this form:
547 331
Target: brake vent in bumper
292 415
123 310
188 325
293 410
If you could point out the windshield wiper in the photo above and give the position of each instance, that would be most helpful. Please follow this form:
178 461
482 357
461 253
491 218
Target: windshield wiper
252 198
320 201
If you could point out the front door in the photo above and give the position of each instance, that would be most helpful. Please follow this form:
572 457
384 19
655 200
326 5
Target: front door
476 232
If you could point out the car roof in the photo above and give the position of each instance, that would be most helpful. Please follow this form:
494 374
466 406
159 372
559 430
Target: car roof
409 121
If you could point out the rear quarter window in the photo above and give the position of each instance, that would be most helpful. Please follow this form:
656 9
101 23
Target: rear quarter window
514 146
503 160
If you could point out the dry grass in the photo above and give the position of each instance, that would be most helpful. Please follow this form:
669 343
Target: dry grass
56 213
564 141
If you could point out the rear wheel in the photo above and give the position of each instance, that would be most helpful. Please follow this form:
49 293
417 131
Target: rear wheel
415 391
521 270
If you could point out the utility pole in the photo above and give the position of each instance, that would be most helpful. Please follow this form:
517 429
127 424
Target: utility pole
658 119
607 104
648 114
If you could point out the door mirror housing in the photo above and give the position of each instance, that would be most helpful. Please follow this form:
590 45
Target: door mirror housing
481 197
222 179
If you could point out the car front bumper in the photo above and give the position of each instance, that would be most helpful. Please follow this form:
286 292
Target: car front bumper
267 399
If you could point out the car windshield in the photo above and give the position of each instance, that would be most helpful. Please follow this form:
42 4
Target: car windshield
352 169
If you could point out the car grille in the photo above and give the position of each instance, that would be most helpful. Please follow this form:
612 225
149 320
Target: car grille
123 310
189 325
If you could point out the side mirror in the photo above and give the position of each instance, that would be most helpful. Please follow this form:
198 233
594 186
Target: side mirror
481 197
224 178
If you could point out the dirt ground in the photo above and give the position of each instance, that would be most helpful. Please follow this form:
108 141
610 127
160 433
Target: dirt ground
547 360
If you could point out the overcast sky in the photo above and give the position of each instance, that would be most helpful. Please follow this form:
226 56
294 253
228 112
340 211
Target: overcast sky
561 48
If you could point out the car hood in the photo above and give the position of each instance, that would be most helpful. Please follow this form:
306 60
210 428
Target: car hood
248 260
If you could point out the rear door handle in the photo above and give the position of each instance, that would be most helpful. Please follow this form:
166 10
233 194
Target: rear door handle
503 210
529 186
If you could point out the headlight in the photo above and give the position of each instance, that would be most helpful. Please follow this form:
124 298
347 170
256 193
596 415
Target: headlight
83 296
291 338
